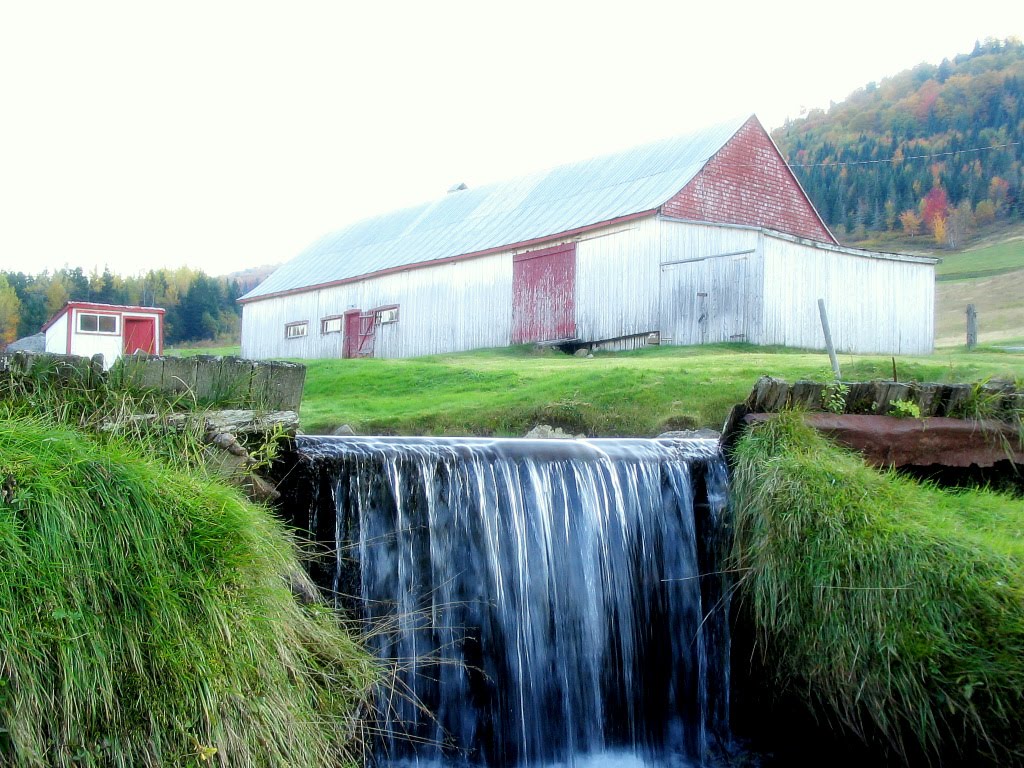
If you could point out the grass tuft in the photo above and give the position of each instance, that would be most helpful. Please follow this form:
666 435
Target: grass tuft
147 618
895 610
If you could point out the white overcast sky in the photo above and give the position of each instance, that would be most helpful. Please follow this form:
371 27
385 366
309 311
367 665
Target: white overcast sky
227 135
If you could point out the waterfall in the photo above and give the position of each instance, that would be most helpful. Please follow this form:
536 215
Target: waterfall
543 601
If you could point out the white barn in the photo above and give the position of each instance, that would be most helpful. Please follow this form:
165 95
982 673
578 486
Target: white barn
87 328
697 239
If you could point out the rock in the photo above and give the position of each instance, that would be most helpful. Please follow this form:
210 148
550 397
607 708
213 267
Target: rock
259 489
343 431
581 352
227 442
547 432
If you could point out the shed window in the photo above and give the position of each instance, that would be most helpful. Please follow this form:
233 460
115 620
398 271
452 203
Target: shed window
331 324
90 323
296 330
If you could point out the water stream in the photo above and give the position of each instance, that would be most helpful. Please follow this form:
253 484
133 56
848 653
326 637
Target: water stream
543 602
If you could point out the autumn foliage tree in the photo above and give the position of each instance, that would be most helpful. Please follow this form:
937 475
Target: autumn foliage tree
935 207
928 139
10 311
910 222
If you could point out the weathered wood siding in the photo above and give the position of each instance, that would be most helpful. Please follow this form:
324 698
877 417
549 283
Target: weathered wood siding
446 308
710 283
693 282
617 281
875 303
468 304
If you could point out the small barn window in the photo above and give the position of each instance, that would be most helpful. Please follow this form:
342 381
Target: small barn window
296 330
331 324
387 315
90 323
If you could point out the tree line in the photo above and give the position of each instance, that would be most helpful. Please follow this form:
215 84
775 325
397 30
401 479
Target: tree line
198 307
933 151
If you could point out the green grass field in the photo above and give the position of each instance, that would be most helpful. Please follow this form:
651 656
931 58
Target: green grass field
507 391
984 261
992 278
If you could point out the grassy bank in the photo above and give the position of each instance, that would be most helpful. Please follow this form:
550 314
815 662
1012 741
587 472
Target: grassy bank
508 391
895 610
146 617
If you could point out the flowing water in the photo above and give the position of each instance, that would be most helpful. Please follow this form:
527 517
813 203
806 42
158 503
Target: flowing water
543 602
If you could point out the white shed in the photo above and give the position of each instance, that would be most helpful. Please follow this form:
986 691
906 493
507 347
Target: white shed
696 239
85 329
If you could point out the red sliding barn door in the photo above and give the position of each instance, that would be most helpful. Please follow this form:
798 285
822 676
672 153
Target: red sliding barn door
544 294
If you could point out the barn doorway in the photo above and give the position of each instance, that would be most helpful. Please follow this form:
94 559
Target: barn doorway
140 335
544 294
705 301
360 330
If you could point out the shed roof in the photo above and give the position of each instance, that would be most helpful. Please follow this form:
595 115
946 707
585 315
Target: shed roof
521 210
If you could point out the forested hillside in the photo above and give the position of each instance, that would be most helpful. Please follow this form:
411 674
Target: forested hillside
198 306
934 151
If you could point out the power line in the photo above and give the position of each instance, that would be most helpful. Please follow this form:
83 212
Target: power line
842 163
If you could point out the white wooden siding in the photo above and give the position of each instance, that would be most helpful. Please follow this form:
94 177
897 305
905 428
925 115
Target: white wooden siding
446 308
875 304
467 304
57 336
711 279
631 279
617 281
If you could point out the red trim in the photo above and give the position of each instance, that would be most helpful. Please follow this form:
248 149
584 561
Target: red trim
450 259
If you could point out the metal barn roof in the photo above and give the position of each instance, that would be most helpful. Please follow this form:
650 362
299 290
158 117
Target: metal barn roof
506 213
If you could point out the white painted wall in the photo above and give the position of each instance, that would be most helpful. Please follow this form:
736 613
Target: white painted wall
711 278
467 304
445 308
876 303
631 279
617 281
57 336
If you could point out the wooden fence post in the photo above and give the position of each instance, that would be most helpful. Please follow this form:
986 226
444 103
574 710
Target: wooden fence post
972 327
828 338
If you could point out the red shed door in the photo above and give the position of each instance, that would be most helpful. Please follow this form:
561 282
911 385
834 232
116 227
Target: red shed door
140 335
544 294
